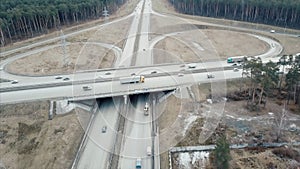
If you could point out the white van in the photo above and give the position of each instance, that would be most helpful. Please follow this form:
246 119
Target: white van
149 151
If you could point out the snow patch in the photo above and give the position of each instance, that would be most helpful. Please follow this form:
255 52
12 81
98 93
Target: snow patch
230 116
185 160
63 107
209 101
201 158
188 122
197 159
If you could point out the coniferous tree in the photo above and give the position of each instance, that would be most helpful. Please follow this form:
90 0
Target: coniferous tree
222 153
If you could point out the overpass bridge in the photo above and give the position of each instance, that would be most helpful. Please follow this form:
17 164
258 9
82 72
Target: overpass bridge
106 82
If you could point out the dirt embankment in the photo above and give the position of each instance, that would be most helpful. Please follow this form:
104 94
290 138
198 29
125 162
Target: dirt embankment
29 140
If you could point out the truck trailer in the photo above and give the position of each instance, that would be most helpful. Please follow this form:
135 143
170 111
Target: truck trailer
236 59
132 79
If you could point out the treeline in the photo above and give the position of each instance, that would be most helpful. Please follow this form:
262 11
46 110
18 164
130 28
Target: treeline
266 78
28 18
273 12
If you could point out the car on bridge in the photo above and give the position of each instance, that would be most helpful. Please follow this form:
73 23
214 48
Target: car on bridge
138 163
192 65
149 153
85 88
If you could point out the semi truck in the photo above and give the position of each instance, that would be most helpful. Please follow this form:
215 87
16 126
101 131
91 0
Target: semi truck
236 59
132 79
146 109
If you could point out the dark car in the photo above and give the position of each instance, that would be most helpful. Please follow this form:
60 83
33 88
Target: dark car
58 77
104 128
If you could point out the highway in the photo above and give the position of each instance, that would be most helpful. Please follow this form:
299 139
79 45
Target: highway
137 133
98 146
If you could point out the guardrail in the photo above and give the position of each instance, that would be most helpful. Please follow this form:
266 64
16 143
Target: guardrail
232 146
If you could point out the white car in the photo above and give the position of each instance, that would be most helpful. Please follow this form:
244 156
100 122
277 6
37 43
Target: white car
209 75
192 65
272 31
149 151
235 69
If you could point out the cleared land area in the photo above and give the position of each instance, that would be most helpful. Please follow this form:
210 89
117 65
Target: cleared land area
29 140
124 10
83 53
182 122
83 50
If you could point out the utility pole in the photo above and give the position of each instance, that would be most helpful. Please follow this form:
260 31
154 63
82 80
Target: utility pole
66 60
105 14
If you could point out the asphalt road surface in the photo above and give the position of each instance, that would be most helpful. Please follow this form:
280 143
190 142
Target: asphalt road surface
105 83
98 145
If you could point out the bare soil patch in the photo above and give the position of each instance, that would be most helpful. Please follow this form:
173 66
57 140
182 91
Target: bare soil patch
261 158
229 43
238 124
81 57
84 53
29 140
291 44
208 45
